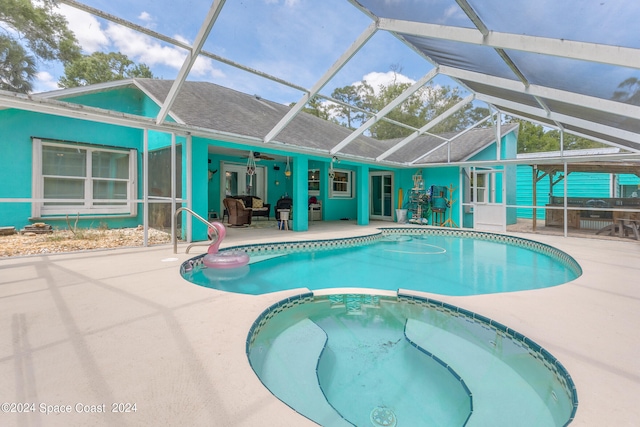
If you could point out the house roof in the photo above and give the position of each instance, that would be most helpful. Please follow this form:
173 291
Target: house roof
614 164
207 105
632 168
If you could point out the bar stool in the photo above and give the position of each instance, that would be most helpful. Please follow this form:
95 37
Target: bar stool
284 219
437 217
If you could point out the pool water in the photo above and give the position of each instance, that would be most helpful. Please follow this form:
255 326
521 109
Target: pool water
365 360
442 264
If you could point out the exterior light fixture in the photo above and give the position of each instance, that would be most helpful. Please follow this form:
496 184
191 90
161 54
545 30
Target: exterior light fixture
287 170
332 173
251 167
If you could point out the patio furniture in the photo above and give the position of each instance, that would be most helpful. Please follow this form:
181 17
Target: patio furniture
239 215
315 209
623 224
256 204
284 220
628 225
285 203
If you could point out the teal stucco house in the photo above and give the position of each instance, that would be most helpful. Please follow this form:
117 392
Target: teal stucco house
107 162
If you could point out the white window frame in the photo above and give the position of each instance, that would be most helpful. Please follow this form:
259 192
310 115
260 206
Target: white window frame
316 180
88 206
348 193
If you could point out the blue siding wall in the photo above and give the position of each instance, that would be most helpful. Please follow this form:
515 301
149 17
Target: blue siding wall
18 127
628 179
16 130
579 185
125 100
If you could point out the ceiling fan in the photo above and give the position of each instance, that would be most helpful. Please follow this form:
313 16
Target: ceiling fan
259 156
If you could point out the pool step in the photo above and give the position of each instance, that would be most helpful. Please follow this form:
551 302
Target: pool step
289 371
494 403
254 259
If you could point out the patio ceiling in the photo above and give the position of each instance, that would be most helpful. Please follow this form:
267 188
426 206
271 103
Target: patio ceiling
560 64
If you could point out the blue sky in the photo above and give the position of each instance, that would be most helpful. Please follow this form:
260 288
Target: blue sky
296 40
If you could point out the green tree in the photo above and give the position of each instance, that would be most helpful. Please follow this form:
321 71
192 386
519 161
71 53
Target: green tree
533 138
39 29
410 112
423 106
573 142
316 107
17 67
354 96
101 67
628 91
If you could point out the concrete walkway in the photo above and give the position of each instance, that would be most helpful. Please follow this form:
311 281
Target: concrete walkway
85 334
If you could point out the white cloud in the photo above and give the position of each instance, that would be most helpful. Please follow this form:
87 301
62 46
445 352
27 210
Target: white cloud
87 29
148 20
377 79
145 16
182 39
204 67
137 46
44 82
142 48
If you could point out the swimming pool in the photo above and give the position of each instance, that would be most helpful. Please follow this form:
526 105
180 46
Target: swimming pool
447 262
357 359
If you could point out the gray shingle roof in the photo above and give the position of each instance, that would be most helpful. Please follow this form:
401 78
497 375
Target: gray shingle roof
209 106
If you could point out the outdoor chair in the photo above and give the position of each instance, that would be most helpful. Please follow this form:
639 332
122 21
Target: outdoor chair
239 215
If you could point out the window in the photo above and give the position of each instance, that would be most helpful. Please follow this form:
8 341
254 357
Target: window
342 183
480 187
83 180
314 182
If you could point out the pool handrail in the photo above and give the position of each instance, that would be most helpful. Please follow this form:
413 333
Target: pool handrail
174 237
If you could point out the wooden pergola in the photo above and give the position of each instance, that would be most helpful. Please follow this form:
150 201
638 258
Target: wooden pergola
556 173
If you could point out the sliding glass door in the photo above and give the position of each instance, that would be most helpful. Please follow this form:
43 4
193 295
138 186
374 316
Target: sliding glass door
381 196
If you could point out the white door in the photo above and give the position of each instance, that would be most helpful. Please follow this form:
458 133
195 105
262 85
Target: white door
488 200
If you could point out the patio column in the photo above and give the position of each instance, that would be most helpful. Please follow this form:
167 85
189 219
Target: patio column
300 193
199 185
362 194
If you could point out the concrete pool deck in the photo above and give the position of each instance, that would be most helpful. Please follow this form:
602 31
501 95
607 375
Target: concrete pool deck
121 327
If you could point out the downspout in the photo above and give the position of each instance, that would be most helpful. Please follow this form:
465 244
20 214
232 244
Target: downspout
189 184
145 187
535 195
